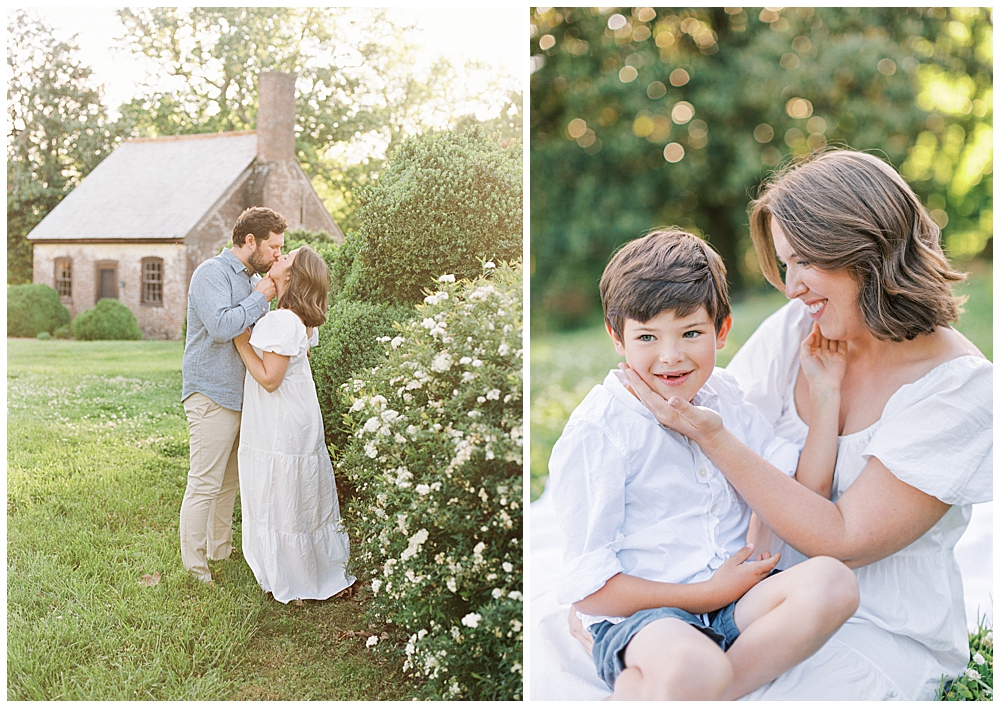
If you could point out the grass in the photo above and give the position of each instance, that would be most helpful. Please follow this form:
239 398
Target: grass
97 466
566 365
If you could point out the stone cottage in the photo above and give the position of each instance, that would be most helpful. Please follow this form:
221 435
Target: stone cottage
140 223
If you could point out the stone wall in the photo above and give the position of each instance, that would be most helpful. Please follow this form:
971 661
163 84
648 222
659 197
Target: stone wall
157 321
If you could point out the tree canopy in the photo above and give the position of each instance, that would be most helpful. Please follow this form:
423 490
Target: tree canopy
359 94
58 130
643 117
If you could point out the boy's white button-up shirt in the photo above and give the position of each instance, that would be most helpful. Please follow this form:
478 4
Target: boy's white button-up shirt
634 497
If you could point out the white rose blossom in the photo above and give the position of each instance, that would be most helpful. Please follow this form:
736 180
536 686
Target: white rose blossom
472 620
372 641
442 362
449 278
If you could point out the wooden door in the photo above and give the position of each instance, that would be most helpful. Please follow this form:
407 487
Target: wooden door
108 282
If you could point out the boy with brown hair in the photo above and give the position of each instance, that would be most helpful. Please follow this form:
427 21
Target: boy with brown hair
657 560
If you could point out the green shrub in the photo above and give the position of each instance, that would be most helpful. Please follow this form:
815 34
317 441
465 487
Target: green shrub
348 345
44 335
436 460
34 308
345 271
109 319
319 241
62 332
447 202
339 257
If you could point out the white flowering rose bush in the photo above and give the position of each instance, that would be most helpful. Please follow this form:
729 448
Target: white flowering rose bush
436 460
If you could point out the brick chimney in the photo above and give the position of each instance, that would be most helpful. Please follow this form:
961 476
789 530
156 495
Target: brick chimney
276 117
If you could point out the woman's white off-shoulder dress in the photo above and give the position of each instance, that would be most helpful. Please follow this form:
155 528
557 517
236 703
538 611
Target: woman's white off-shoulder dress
935 434
292 535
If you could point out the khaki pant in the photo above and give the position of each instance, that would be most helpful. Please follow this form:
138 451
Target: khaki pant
206 526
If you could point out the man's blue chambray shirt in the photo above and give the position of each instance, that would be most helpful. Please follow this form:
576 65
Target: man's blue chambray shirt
222 303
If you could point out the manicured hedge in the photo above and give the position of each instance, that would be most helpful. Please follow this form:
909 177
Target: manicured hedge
447 203
34 308
109 319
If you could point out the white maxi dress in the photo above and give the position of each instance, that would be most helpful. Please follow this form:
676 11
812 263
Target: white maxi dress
935 434
293 539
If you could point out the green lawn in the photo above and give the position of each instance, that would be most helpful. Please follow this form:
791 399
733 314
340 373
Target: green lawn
97 465
566 365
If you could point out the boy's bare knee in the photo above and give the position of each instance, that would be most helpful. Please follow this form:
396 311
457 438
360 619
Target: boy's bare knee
677 662
698 673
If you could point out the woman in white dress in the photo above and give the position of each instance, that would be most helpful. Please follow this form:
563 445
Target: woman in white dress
292 535
863 260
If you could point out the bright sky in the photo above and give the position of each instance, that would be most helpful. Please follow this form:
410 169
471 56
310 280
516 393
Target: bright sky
494 35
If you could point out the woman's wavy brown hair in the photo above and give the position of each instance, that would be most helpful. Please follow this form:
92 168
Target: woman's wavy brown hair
847 210
308 286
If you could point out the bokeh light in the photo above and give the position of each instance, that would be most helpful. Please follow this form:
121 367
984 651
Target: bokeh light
674 152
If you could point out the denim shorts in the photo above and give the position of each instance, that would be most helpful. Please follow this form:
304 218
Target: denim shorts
611 640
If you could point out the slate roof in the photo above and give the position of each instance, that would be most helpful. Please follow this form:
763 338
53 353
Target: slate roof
151 188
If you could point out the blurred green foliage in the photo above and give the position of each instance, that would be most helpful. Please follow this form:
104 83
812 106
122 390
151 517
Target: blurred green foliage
643 118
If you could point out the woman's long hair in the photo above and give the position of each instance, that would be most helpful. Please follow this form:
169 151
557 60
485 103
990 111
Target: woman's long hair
308 287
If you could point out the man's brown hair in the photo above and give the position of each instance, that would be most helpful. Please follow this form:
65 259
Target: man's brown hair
259 221
847 210
667 269
308 286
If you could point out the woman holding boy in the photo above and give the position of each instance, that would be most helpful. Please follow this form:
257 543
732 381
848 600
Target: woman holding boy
863 261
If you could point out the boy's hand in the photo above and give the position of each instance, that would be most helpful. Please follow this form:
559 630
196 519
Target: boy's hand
732 580
697 423
824 361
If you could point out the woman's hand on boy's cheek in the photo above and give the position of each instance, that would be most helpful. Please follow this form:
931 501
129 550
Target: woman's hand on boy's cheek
693 421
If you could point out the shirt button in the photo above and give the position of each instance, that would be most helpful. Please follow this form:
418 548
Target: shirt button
703 473
714 509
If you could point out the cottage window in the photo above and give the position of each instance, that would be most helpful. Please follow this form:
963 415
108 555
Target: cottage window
64 278
152 281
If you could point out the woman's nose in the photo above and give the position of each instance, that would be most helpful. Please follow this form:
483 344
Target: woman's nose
793 284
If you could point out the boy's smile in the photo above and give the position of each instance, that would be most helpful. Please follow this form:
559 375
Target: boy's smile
673 355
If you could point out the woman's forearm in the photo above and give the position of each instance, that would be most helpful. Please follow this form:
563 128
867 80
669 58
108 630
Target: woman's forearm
269 372
811 524
819 454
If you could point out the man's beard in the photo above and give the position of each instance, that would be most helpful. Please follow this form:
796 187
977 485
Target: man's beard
257 261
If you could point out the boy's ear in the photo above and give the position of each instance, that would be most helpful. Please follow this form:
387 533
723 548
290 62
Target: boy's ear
720 337
619 347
